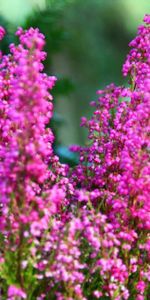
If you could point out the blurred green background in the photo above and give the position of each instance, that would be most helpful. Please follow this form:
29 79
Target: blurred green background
87 42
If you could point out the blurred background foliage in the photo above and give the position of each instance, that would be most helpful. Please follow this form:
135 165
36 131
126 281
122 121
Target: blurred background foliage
86 45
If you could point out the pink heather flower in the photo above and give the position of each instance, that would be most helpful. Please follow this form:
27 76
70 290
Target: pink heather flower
147 19
2 32
14 292
24 264
97 294
140 297
141 286
35 229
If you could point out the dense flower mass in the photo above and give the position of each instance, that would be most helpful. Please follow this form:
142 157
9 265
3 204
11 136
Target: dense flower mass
115 167
81 233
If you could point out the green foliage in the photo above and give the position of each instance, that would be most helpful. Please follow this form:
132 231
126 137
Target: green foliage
64 86
9 37
49 23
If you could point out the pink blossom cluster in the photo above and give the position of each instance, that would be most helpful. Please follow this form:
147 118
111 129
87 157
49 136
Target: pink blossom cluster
115 166
2 32
81 233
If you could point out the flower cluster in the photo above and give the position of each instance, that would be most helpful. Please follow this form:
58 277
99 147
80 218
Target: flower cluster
2 32
27 198
115 166
82 233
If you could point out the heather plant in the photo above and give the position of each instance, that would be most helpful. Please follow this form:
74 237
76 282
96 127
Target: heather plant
81 233
115 167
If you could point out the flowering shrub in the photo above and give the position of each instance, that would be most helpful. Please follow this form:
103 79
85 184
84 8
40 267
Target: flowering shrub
81 233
